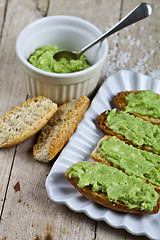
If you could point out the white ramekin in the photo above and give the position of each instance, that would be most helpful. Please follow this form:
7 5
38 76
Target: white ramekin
67 32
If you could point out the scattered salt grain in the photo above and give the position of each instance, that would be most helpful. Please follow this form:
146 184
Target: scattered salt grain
138 42
141 28
152 52
118 59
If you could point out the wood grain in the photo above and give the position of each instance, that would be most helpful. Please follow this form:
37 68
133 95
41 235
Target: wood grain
26 212
143 38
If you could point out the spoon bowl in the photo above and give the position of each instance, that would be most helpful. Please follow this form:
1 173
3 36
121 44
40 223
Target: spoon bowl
69 55
140 12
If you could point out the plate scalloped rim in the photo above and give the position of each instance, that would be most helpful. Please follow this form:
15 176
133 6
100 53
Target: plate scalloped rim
80 147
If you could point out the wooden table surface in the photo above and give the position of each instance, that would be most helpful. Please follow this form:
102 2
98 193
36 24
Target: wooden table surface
25 210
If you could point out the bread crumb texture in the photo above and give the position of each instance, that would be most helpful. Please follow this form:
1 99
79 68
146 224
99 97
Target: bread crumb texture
56 133
22 122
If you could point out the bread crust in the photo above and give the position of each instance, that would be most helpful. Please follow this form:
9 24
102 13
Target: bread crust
64 131
103 200
97 157
121 104
16 137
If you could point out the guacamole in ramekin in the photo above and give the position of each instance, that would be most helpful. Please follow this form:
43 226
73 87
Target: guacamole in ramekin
42 58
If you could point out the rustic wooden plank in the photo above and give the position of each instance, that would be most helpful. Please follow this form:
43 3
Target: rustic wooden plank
104 231
6 157
143 37
2 172
3 6
132 237
11 90
34 215
107 232
27 213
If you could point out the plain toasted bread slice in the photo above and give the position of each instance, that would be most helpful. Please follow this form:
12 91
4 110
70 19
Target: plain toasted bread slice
97 157
102 199
121 104
59 129
20 123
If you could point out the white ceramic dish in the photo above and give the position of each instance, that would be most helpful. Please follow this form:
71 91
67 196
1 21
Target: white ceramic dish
80 147
67 32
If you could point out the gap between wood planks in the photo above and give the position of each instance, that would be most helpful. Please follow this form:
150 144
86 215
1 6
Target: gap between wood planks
10 173
43 6
4 18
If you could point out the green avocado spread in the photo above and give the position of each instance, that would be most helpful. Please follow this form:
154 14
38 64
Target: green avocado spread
42 58
135 129
132 161
146 103
118 186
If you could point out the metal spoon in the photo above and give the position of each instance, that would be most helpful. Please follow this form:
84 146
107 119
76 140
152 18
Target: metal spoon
140 12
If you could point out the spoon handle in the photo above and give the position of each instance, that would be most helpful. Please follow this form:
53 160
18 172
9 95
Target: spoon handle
140 12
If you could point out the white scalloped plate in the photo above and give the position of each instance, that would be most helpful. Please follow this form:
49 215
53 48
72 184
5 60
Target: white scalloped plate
80 147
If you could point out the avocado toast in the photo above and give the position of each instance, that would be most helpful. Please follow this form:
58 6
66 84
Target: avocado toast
144 104
130 152
133 130
112 188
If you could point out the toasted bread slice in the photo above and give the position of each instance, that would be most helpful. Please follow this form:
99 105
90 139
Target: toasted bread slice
102 198
98 157
59 129
102 122
121 104
22 122
120 99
